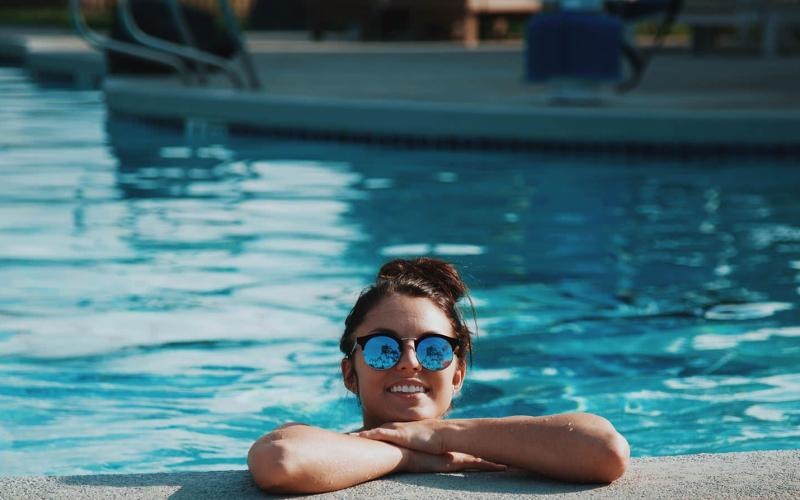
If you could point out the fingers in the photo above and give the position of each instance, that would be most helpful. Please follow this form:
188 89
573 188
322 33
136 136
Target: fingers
370 432
429 459
449 462
380 434
462 461
485 465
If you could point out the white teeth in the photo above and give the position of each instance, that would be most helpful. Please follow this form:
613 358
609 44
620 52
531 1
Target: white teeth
407 388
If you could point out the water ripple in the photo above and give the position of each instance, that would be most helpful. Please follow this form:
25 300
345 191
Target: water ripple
167 299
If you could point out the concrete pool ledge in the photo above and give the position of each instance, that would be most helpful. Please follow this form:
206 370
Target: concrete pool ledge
53 54
400 120
443 94
772 474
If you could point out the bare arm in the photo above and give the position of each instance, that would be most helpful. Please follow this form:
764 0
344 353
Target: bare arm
577 447
297 458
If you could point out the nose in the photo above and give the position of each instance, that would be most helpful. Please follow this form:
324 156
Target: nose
408 358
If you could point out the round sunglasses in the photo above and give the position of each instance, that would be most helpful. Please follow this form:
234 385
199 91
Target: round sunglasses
382 350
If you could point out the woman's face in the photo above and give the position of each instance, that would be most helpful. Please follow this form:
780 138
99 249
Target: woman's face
407 317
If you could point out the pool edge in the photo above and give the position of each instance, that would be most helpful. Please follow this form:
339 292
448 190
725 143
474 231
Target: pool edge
459 124
773 474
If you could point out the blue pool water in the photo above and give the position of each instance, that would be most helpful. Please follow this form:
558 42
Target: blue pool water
167 298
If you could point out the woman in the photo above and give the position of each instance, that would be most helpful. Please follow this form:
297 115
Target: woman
406 347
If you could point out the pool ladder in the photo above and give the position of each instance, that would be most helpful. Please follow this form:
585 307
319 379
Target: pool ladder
173 54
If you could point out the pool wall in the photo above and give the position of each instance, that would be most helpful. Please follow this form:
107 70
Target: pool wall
462 124
729 475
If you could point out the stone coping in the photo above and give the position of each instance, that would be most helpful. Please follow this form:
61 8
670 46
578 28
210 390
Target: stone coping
403 121
766 474
445 94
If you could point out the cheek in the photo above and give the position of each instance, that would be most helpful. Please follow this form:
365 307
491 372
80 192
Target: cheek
367 379
444 383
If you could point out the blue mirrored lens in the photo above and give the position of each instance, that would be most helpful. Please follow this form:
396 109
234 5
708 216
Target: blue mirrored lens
381 352
434 353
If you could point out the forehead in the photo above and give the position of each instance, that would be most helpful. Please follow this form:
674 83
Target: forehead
408 316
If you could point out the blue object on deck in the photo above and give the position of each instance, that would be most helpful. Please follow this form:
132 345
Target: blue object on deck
574 44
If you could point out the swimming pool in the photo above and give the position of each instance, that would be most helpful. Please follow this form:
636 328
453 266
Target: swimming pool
169 298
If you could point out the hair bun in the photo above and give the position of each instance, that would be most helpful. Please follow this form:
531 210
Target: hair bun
424 277
424 272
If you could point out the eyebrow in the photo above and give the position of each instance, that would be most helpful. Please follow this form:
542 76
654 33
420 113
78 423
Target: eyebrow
382 330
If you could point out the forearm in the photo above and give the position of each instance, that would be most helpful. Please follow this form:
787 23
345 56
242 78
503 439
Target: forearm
304 459
574 447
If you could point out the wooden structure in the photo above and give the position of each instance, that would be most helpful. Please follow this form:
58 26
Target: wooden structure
240 7
416 19
447 19
474 9
767 18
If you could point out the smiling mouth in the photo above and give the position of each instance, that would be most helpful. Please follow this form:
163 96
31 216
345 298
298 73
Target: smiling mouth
407 389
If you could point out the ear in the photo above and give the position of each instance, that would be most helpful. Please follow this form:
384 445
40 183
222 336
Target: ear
349 375
458 376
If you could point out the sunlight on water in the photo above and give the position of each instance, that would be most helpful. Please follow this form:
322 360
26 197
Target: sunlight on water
442 250
747 311
168 299
712 341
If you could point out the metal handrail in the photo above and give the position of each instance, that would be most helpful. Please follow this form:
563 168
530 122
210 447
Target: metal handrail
173 48
185 34
244 54
168 53
101 42
180 23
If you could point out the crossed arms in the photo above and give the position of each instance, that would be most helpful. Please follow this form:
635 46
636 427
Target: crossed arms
578 447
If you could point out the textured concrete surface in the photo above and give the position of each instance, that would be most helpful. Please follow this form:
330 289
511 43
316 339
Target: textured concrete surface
731 475
453 94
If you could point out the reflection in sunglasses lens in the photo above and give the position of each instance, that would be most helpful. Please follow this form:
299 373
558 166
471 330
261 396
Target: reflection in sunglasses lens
382 353
434 353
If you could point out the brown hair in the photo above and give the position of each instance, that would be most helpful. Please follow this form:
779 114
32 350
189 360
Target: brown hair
433 279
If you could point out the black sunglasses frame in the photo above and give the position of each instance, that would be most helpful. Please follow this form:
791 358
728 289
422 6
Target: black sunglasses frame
455 344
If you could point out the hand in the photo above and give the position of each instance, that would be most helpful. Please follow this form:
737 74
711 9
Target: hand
417 461
420 435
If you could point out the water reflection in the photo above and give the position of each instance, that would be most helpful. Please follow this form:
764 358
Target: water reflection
582 270
165 161
173 297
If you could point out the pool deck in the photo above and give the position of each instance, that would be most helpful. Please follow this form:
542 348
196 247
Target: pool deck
446 93
52 54
729 475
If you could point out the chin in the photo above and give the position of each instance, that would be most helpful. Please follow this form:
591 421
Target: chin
412 414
